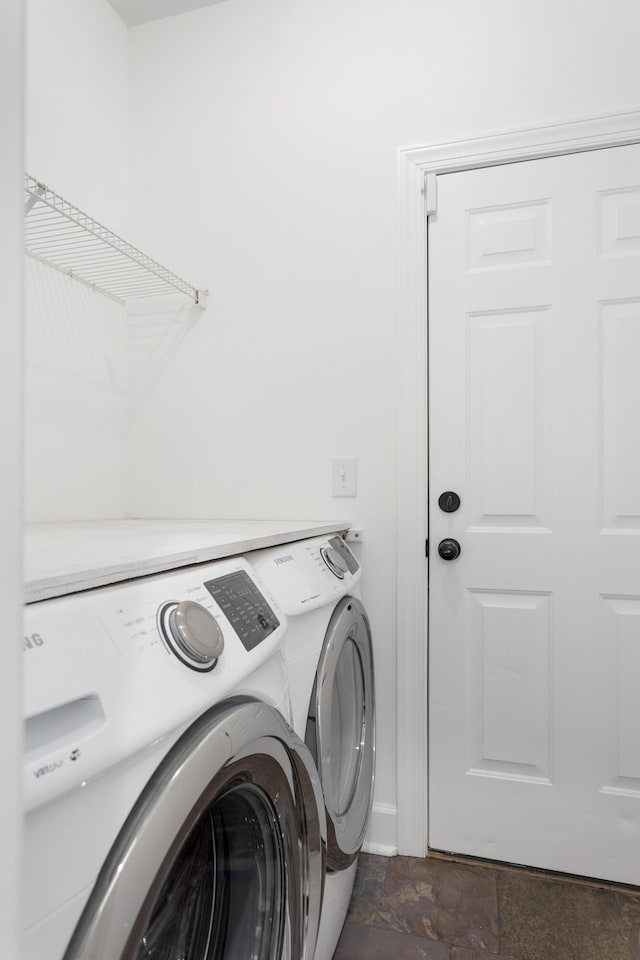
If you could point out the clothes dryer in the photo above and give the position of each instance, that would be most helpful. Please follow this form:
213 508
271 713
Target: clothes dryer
329 659
171 810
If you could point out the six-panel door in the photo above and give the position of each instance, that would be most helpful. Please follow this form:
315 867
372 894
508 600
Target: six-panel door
534 419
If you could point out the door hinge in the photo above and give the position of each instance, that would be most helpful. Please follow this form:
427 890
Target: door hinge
430 194
426 548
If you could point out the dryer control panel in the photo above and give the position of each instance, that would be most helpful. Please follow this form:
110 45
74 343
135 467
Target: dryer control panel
308 574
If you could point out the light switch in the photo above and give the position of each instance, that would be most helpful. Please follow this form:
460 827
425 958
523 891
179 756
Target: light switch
344 477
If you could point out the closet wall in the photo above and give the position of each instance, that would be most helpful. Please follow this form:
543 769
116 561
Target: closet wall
11 159
264 138
76 371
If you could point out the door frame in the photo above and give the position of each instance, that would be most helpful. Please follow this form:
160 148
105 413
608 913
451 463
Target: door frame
418 169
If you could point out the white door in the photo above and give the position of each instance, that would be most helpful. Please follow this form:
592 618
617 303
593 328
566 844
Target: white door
534 393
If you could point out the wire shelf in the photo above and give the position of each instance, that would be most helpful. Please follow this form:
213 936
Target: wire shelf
66 238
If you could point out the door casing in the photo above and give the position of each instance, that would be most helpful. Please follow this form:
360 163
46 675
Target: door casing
418 168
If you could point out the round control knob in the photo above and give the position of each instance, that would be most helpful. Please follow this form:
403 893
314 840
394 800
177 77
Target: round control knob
449 549
334 561
192 633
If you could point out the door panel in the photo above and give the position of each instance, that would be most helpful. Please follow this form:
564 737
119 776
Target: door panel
509 637
506 460
534 399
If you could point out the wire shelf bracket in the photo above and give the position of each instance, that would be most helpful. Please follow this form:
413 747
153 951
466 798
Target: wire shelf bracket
64 237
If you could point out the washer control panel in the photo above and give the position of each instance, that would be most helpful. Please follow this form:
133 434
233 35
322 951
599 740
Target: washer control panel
244 607
113 670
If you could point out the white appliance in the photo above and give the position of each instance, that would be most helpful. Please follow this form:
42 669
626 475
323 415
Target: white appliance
172 811
329 659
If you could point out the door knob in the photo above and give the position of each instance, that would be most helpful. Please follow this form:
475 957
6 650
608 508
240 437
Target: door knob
449 501
449 549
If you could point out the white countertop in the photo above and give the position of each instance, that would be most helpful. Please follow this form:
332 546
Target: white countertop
63 558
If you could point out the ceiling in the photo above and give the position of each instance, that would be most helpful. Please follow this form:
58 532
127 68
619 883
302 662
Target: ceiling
134 12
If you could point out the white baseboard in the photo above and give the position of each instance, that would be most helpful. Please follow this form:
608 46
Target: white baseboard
382 832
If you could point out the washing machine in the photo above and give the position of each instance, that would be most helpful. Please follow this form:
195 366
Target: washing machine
172 812
329 658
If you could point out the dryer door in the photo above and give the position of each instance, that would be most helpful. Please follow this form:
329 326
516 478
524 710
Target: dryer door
341 730
222 857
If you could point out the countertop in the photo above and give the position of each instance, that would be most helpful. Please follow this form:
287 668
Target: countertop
63 558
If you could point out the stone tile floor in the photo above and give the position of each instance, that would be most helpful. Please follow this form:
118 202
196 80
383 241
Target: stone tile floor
409 909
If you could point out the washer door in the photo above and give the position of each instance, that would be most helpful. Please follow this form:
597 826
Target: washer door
222 857
341 730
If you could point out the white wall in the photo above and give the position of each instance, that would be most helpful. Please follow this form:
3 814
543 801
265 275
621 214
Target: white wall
11 158
76 109
264 143
76 363
75 399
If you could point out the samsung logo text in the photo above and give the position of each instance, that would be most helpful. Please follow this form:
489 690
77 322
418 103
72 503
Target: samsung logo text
31 641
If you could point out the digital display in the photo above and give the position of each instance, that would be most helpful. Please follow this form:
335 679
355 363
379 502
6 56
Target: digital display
244 607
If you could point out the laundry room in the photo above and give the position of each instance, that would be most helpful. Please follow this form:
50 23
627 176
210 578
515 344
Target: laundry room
280 156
